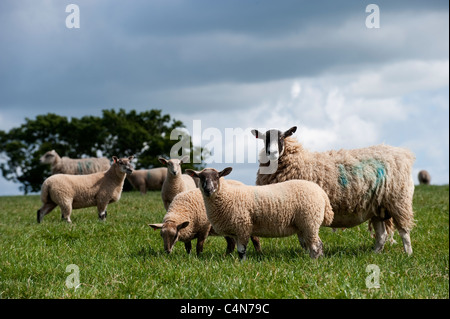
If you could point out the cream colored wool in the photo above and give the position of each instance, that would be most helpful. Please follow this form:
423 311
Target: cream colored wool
188 207
173 185
373 183
148 179
80 191
175 181
79 166
278 210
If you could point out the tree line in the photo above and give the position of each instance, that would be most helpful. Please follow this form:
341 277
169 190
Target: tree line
145 135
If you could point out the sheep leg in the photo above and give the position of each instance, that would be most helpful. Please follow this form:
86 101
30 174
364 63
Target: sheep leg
404 234
188 246
256 243
231 244
403 216
66 211
380 234
312 241
242 247
315 248
301 240
200 242
166 205
143 190
102 213
44 210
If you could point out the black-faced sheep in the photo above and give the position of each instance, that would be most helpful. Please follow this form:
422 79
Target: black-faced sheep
80 166
279 210
80 191
148 179
424 177
175 181
186 220
373 183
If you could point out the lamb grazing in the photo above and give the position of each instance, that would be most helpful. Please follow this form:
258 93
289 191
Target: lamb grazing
278 210
373 183
80 191
175 182
81 166
424 177
186 220
148 179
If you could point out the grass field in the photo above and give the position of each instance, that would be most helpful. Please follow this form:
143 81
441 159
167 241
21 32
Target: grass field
124 258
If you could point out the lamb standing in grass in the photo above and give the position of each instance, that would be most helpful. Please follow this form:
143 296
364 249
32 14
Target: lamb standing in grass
175 182
278 210
148 179
186 220
80 191
81 166
373 183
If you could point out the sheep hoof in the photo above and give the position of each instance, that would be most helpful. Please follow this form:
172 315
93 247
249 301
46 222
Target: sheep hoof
103 216
242 256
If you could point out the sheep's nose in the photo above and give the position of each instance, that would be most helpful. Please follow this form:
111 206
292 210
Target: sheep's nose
208 193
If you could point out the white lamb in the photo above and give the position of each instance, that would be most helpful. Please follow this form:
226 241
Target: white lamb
186 220
279 210
175 182
80 191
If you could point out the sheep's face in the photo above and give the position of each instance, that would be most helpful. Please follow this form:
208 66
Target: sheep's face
48 158
209 179
124 164
170 233
174 165
274 141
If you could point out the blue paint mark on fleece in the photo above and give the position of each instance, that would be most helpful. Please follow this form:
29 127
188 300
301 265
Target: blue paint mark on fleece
368 170
342 175
80 167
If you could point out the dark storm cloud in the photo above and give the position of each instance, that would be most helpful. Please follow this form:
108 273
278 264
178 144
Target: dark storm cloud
126 50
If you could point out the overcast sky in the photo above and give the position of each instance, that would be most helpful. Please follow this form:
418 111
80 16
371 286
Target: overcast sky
239 64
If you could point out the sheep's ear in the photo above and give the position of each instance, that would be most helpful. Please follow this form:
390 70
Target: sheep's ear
156 226
115 159
258 134
225 171
185 159
130 158
182 225
162 160
290 131
191 173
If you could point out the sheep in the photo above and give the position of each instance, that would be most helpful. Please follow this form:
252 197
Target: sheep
279 210
80 166
186 220
424 177
373 183
148 179
175 182
80 191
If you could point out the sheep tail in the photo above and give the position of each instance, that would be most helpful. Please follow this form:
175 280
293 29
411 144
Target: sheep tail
328 214
45 193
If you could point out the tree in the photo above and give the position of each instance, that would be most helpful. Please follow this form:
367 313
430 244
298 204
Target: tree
145 135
